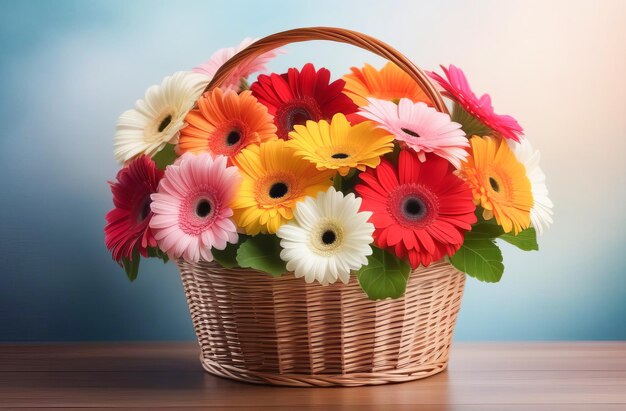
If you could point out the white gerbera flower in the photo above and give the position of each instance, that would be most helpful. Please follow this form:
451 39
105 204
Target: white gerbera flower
328 238
541 213
157 119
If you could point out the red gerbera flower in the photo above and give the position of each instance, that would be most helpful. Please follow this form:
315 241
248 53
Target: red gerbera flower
457 88
127 224
297 96
420 210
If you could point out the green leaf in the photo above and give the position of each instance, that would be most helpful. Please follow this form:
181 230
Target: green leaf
526 239
486 229
243 84
227 257
384 276
337 182
131 266
155 252
394 155
262 252
479 217
165 157
349 181
479 256
469 123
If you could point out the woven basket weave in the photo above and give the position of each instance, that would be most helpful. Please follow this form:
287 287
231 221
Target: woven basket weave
256 328
252 327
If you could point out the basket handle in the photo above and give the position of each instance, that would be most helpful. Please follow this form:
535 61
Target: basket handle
354 38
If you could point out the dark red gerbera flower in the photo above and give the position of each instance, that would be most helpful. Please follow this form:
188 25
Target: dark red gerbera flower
420 210
297 96
127 223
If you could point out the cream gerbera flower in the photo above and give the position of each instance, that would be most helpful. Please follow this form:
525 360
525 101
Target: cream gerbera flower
328 238
541 213
157 119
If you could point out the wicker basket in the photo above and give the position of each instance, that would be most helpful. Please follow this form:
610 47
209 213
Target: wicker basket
252 327
256 328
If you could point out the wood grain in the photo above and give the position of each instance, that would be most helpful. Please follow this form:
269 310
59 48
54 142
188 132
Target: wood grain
486 376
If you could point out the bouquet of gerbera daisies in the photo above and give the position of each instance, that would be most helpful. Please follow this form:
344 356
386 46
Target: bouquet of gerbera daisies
301 174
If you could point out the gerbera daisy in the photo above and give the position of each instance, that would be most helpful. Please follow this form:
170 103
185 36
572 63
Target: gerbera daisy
541 213
192 209
390 83
157 119
339 146
274 180
457 88
499 183
298 96
243 70
225 122
420 210
420 127
127 227
327 239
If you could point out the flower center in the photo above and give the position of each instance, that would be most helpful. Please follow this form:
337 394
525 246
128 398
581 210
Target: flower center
145 210
296 112
298 116
494 184
329 237
413 208
164 123
410 132
413 205
203 208
198 211
233 138
278 190
340 155
229 137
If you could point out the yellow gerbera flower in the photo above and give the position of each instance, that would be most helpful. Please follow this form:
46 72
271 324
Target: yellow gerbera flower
274 180
388 83
339 146
499 183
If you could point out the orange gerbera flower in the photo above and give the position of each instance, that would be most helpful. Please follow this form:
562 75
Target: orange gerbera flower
225 122
499 183
389 83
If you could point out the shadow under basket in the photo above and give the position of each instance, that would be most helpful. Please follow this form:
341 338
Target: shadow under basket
256 328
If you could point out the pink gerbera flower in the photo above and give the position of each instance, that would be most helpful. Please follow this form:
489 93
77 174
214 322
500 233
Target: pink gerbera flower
242 71
192 207
420 127
127 227
457 88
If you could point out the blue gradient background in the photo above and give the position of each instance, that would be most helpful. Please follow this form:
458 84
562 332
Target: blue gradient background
69 68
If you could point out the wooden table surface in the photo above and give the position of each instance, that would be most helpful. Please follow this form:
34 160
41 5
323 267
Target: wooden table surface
481 376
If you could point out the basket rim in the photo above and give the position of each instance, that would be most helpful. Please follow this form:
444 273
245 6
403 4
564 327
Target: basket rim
421 271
